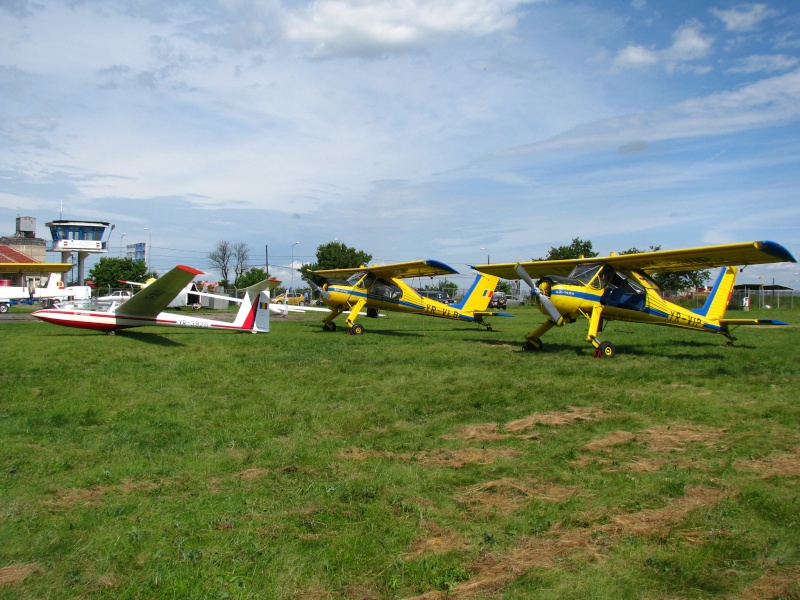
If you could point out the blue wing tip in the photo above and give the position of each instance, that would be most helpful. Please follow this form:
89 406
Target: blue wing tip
776 250
440 265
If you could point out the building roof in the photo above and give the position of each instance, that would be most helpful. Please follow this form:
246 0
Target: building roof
759 287
11 255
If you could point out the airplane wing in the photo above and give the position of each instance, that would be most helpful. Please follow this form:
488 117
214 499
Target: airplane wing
684 259
406 270
154 298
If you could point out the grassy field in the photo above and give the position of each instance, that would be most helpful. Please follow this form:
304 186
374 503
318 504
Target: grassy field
424 459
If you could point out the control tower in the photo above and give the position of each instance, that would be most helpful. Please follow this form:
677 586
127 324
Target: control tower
83 237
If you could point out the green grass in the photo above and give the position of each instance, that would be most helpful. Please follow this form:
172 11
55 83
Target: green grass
424 457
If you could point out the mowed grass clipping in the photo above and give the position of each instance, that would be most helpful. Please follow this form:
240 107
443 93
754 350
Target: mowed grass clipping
425 459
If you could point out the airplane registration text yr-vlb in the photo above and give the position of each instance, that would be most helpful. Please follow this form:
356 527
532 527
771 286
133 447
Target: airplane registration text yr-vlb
619 287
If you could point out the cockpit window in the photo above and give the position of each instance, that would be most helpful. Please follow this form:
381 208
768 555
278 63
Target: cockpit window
353 279
365 281
585 273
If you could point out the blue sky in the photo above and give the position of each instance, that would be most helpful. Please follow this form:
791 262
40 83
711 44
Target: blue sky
406 128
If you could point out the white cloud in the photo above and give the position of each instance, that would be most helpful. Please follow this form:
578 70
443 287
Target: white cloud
636 56
764 63
744 17
688 44
765 103
363 27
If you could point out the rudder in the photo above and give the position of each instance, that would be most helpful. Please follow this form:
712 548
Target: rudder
717 301
479 295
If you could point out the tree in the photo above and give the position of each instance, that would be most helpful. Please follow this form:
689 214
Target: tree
674 281
220 258
107 271
241 256
334 255
577 249
252 277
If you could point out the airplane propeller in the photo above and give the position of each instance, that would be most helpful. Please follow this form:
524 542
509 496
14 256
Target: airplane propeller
324 293
551 309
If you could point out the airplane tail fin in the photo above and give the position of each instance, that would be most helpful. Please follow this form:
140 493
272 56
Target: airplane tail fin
478 296
717 302
253 314
54 282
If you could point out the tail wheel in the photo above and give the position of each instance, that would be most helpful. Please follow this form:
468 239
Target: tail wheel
357 329
605 350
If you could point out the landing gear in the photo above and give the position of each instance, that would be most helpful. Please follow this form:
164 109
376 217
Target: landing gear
533 345
328 326
605 350
112 332
357 329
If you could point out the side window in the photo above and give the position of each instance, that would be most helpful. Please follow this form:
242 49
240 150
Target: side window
384 289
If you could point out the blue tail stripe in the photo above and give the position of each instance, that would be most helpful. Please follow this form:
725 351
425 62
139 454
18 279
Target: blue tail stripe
703 312
466 297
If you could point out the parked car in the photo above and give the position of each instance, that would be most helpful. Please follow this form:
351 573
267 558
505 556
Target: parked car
514 300
294 298
498 300
437 295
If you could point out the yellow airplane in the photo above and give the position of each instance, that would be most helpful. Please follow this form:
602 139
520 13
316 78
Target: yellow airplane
618 288
381 288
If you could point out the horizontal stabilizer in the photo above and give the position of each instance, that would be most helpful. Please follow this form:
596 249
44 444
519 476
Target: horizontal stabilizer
730 322
484 313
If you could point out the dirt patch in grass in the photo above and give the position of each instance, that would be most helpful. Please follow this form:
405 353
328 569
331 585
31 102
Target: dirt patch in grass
14 574
455 459
508 495
69 498
615 438
782 465
675 438
485 432
561 546
437 541
663 439
555 419
520 428
775 584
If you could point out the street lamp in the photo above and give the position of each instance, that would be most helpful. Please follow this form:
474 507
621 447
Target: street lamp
488 257
120 245
148 255
292 281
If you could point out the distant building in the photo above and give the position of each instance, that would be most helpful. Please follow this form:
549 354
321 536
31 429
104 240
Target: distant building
83 237
25 241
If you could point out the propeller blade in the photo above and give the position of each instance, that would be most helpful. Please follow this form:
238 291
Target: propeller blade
551 309
324 293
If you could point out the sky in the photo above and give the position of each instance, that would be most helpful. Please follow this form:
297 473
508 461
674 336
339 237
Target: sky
456 130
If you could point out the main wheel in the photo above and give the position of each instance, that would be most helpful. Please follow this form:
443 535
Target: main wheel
3 308
533 345
329 326
606 350
357 329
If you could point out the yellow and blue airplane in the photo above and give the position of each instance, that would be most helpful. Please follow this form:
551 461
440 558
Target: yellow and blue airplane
619 288
379 288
